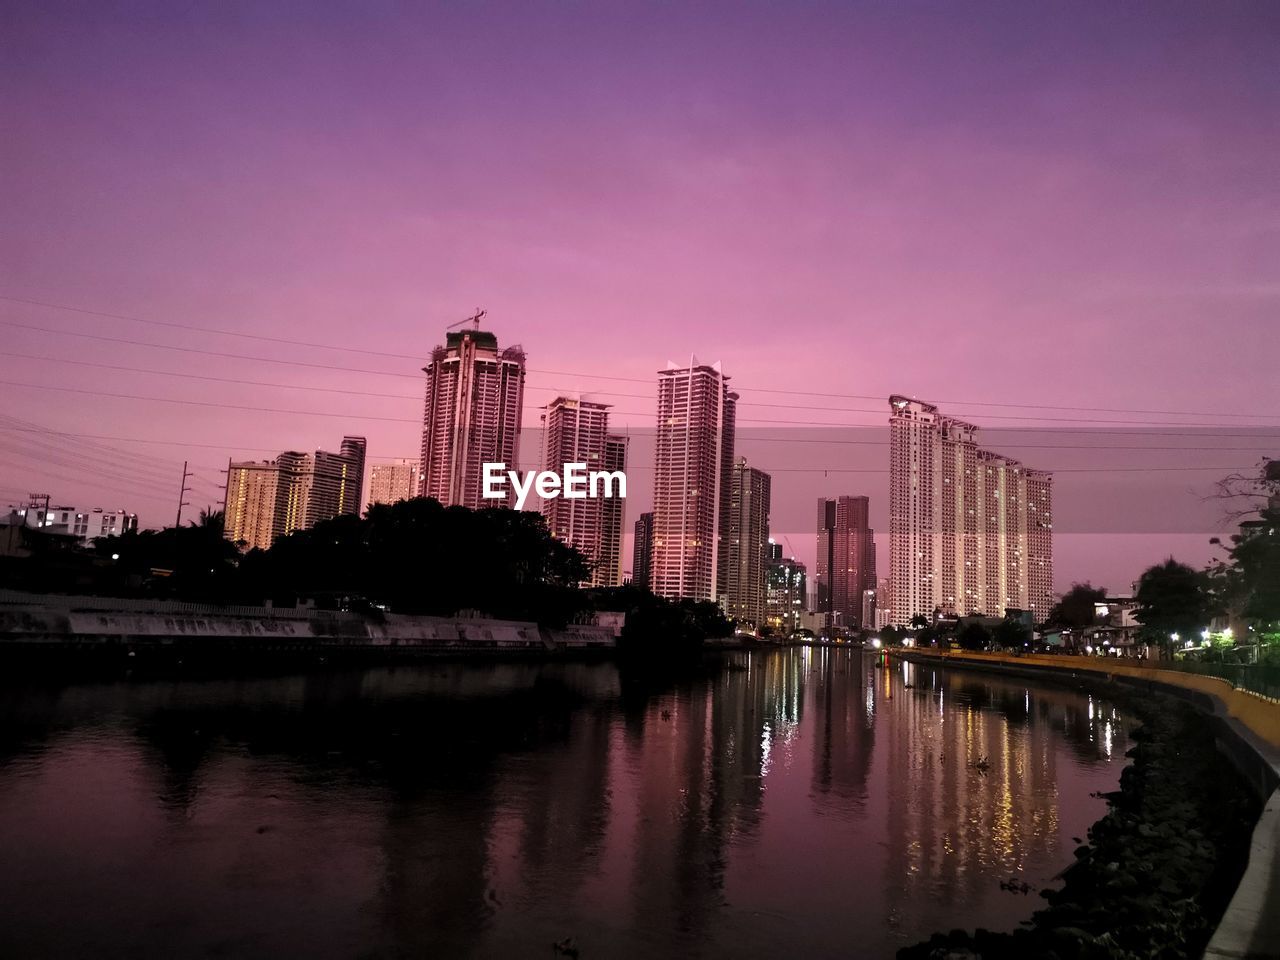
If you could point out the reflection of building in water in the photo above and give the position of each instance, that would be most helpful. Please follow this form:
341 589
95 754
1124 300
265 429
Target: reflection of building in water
949 817
710 747
560 812
843 732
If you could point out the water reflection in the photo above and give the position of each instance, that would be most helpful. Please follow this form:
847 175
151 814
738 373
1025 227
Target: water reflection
801 801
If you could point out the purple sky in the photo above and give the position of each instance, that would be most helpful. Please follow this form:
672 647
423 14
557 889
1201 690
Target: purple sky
1029 203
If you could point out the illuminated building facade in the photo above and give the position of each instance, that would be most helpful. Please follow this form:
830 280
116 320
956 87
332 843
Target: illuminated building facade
785 592
270 498
970 531
337 482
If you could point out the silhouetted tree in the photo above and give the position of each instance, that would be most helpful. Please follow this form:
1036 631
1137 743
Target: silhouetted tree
657 625
1010 632
1172 599
973 636
417 556
1077 608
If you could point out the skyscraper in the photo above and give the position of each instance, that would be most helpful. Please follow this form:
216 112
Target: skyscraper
846 562
394 481
785 590
577 431
250 503
971 531
271 498
612 515
692 479
642 551
746 544
337 482
295 472
471 415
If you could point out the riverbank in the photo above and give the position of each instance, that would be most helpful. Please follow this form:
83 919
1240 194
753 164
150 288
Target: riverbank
108 629
1161 867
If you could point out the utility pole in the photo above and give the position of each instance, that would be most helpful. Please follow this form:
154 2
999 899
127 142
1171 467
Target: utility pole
182 496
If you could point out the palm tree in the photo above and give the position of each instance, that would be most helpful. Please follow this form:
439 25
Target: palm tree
212 520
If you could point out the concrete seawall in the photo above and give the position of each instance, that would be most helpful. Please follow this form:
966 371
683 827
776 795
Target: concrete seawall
1247 727
64 622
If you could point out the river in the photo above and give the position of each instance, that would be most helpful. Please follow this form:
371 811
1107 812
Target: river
803 802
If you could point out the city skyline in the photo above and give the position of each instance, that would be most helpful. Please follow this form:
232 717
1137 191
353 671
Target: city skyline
895 216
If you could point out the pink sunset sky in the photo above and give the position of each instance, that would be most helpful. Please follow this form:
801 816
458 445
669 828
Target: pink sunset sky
1074 205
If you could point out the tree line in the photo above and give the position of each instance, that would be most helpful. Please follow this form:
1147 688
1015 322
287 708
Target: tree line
412 557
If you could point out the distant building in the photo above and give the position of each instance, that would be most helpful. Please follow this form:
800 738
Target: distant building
612 516
642 551
250 508
846 566
746 544
270 498
84 523
337 482
785 592
471 416
884 604
971 531
577 431
868 619
692 478
394 481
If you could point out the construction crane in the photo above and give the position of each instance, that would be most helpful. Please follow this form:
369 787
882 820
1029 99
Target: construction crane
474 318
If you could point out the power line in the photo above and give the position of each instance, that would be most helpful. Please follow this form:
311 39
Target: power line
89 458
159 465
208 353
550 389
417 358
69 465
215 330
362 416
200 376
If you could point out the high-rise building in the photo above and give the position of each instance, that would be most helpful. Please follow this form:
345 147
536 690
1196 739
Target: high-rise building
868 620
692 480
250 508
577 431
642 551
884 603
613 514
270 498
394 481
295 472
471 417
785 592
846 562
746 544
971 531
337 482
